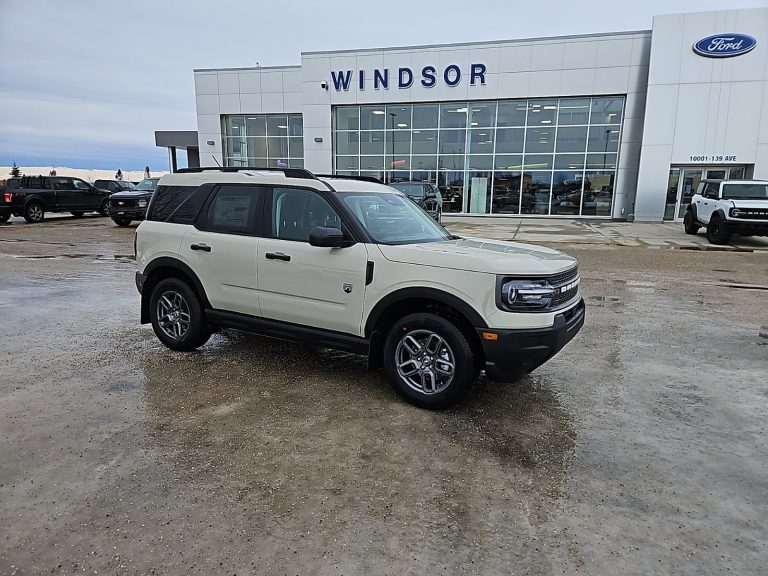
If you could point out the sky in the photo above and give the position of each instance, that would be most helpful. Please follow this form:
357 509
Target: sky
85 83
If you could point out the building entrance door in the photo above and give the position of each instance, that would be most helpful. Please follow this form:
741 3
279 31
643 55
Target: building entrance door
683 181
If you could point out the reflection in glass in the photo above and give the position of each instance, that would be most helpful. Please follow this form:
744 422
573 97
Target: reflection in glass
424 163
347 143
508 162
451 162
566 192
295 126
372 162
512 113
669 208
398 142
347 163
256 125
598 193
571 138
478 192
506 192
235 126
480 162
482 114
537 162
236 147
372 142
540 139
453 115
296 147
481 141
277 125
535 197
603 139
399 117
257 147
277 147
573 111
451 184
424 141
606 110
372 117
348 118
569 162
599 161
398 163
452 141
425 116
510 140
542 112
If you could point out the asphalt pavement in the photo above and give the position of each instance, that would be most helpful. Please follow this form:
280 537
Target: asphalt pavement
640 449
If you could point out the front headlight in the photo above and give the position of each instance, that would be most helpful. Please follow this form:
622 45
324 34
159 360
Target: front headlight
142 203
526 294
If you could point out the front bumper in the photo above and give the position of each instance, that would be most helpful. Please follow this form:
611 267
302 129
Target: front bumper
747 227
517 352
132 213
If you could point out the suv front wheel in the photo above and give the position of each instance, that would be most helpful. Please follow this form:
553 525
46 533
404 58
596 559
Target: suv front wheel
717 231
177 316
429 361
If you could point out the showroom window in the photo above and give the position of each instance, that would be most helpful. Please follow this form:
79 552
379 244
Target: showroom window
544 156
264 140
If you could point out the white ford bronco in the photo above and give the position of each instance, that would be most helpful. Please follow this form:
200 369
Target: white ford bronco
354 265
727 207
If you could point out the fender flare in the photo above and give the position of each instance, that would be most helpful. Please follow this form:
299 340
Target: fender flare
422 293
169 262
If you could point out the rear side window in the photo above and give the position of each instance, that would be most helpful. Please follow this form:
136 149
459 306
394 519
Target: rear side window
234 209
167 199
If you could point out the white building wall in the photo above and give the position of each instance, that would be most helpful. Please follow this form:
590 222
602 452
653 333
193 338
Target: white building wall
268 90
699 106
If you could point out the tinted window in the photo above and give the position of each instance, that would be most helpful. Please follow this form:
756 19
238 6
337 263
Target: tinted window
80 184
166 199
412 189
11 184
296 212
63 184
188 210
233 210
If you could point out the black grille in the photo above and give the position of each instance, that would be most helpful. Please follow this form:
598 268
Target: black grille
122 203
752 214
563 277
558 281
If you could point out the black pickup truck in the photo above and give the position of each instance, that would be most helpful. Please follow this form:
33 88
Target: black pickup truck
33 196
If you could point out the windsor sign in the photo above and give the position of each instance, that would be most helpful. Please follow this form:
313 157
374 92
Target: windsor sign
405 77
724 45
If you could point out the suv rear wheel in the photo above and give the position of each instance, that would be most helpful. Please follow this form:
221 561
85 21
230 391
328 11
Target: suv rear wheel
717 232
690 224
122 221
33 212
104 207
429 361
177 316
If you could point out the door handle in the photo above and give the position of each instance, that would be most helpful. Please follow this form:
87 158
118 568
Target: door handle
201 247
278 256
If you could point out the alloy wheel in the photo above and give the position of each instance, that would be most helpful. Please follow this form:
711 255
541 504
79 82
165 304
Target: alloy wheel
425 361
173 314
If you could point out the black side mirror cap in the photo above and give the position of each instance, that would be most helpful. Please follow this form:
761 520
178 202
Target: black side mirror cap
327 237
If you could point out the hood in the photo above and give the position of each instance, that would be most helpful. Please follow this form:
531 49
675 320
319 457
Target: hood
132 194
478 255
748 203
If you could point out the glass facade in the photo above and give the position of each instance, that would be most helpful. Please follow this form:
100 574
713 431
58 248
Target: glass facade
264 140
553 156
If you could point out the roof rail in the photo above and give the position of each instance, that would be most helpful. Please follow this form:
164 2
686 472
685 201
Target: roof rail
342 177
289 172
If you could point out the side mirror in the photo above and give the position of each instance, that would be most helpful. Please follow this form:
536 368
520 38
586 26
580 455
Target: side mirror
327 237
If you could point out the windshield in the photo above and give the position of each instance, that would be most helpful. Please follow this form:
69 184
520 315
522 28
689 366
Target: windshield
126 185
746 191
413 189
393 219
148 184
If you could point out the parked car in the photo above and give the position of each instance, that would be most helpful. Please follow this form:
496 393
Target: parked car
425 194
727 207
125 207
114 185
33 196
353 265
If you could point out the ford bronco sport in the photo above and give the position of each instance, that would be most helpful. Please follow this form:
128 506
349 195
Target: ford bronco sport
354 265
727 207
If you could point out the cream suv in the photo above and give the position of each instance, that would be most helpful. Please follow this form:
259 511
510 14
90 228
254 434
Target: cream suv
354 265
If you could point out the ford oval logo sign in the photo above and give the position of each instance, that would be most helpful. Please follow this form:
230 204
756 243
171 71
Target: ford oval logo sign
724 45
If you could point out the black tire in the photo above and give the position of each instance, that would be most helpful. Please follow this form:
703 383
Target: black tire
453 345
717 232
690 224
122 221
34 212
77 213
104 207
182 298
4 218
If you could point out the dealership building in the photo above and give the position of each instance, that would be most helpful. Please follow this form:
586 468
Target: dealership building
614 125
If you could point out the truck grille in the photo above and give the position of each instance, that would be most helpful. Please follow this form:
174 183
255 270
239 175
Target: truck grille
752 214
565 286
118 204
